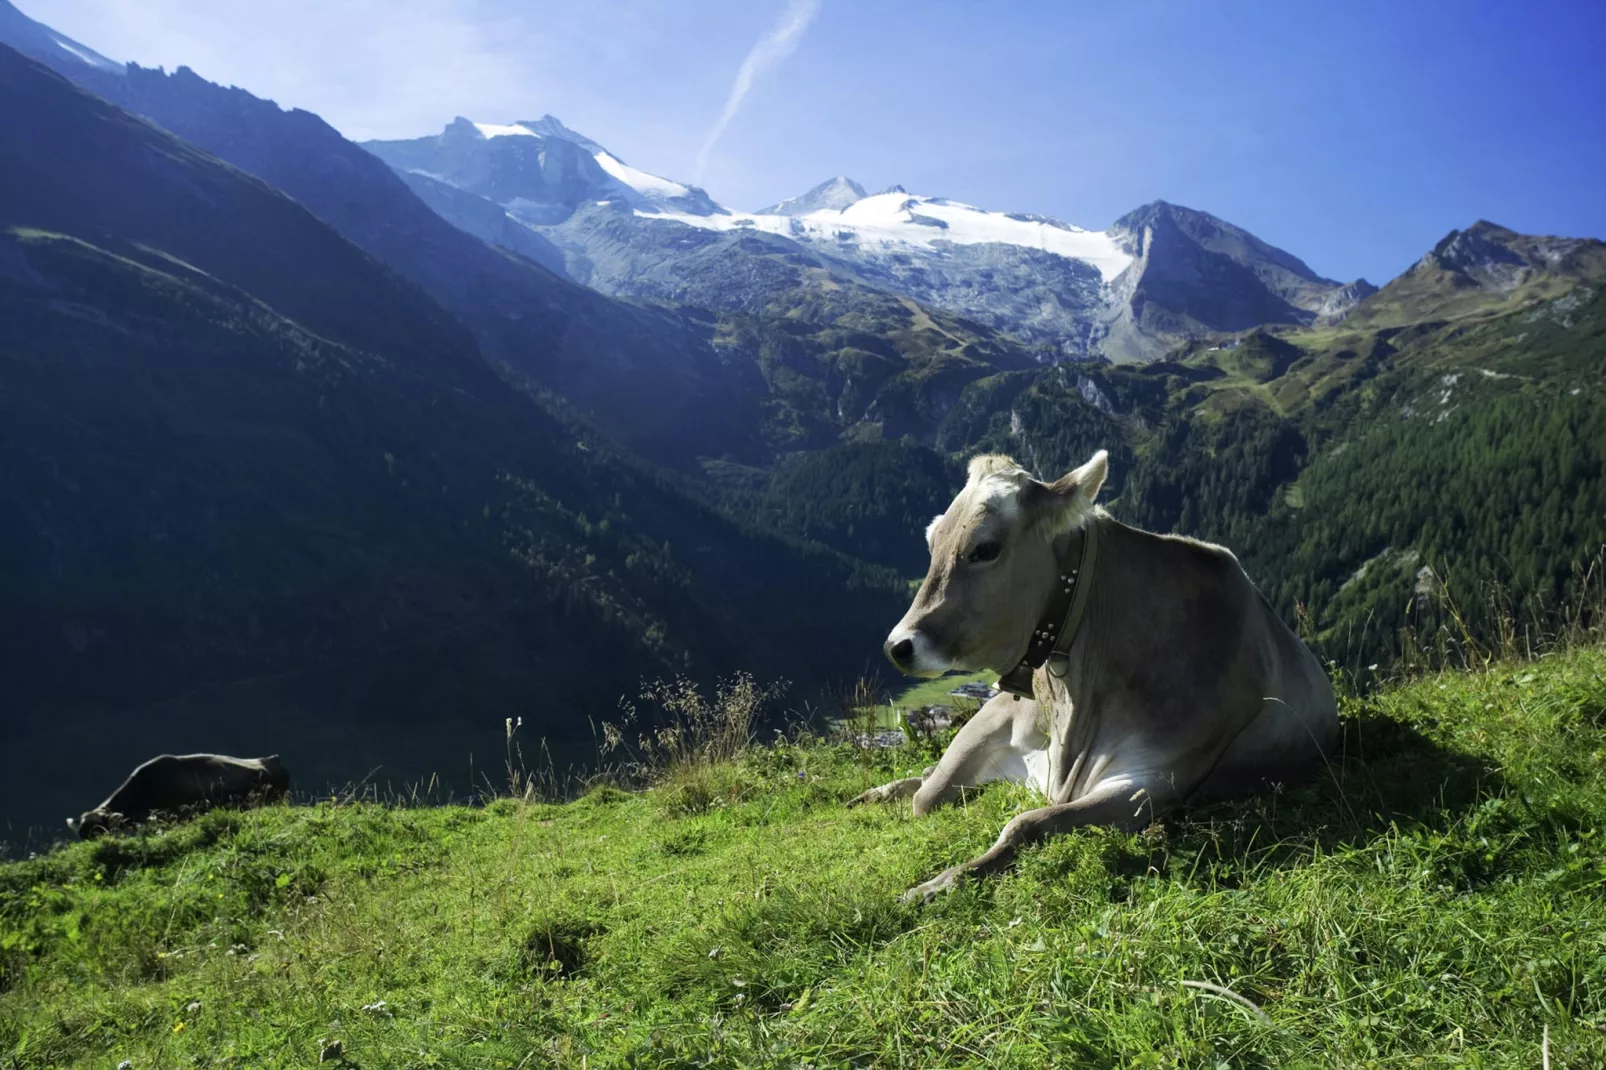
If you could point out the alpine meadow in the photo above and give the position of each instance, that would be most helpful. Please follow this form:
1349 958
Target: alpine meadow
567 540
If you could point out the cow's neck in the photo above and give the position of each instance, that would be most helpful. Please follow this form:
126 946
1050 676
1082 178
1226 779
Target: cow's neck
1061 615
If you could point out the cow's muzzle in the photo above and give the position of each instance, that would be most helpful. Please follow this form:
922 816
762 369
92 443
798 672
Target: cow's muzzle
913 652
901 653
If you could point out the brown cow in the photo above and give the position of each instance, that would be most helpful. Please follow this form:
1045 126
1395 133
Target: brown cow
1147 670
172 782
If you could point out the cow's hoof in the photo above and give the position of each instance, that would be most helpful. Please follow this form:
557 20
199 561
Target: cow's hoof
922 894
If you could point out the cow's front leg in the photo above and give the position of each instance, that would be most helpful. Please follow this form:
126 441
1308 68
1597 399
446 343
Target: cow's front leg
1129 803
996 744
897 789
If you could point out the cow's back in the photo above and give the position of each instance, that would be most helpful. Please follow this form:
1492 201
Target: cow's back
1182 658
173 781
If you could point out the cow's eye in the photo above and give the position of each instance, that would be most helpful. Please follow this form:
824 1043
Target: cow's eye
986 551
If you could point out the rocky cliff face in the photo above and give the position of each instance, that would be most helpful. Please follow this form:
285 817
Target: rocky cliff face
1194 274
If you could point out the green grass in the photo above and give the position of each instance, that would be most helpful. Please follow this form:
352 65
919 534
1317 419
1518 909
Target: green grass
936 692
1438 900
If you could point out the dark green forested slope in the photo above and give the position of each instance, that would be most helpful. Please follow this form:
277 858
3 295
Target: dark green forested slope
263 495
1381 470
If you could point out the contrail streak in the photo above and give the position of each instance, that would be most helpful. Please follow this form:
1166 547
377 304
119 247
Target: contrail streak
769 51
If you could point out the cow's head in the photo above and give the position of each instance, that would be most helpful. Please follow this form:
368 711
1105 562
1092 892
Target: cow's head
993 567
93 823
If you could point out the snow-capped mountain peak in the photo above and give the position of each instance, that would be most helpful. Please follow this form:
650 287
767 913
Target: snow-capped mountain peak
539 170
833 194
546 126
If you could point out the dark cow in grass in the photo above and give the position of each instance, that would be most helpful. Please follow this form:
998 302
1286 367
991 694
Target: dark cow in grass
177 782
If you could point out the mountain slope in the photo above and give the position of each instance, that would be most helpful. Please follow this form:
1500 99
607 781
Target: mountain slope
775 370
271 497
1397 478
38 40
1483 268
650 376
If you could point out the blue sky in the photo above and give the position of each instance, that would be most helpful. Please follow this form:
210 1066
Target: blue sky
1352 134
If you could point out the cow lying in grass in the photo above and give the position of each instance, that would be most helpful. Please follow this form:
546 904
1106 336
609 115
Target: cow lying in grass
175 782
1140 671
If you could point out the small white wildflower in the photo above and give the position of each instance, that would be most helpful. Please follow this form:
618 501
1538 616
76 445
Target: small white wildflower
126 1064
1372 667
377 1007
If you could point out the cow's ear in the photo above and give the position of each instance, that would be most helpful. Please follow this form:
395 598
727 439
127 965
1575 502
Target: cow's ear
72 824
1067 503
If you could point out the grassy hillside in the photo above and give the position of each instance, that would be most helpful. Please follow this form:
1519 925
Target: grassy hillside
1438 900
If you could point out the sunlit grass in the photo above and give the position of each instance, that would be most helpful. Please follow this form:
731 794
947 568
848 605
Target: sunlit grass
1438 899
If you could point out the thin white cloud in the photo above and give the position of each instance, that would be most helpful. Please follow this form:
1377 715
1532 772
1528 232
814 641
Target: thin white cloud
770 50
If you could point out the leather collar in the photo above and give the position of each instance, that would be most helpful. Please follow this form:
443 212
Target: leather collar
1056 629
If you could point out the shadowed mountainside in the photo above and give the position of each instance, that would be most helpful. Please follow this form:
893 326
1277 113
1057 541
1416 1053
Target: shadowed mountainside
271 496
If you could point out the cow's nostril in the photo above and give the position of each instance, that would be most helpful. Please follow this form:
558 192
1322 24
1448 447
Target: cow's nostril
902 653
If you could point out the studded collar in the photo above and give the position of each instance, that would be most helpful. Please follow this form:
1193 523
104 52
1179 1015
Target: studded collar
1056 629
